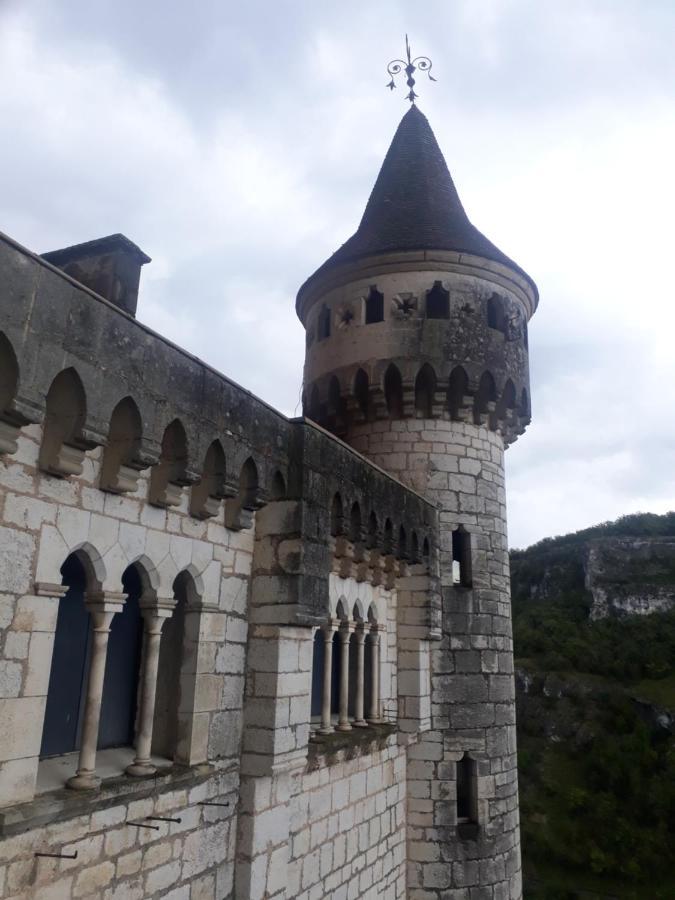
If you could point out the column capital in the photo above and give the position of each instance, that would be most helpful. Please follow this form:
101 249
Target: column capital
330 628
346 628
102 605
162 607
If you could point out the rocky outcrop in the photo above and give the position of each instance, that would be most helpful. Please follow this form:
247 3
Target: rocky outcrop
610 576
630 576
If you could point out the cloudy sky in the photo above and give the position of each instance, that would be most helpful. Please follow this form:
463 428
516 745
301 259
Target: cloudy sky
236 143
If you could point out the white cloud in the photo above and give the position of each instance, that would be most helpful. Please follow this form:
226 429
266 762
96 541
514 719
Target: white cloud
238 149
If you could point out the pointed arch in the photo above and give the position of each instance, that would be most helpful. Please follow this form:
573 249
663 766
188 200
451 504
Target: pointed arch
249 484
485 397
402 543
388 537
355 524
169 475
425 388
9 373
393 391
458 389
120 463
336 516
65 414
372 530
207 493
278 487
362 392
507 401
524 407
414 548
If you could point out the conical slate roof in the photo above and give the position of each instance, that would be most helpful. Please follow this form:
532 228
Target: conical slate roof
414 205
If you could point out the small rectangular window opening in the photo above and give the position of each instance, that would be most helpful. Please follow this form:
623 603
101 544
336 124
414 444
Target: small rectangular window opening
461 558
374 306
438 302
324 324
466 790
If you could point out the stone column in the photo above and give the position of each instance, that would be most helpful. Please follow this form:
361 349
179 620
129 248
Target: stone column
374 716
360 636
153 617
102 607
326 722
343 720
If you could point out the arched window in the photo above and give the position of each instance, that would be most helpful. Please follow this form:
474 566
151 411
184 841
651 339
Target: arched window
425 387
168 476
355 523
466 790
388 539
461 557
207 493
278 488
62 448
9 373
318 658
70 661
372 530
362 392
524 407
120 465
336 516
374 306
402 552
458 389
485 397
323 324
414 548
393 392
438 302
170 672
120 685
495 313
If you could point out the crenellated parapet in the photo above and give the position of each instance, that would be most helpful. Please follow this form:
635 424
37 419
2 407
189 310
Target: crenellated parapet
439 343
159 425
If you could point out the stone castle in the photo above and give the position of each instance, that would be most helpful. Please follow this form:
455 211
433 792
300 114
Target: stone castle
252 657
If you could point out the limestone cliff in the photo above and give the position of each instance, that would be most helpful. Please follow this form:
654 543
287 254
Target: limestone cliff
610 573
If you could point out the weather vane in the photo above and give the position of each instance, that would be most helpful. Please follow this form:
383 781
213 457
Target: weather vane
396 66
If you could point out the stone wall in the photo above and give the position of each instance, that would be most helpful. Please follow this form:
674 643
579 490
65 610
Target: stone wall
461 467
348 826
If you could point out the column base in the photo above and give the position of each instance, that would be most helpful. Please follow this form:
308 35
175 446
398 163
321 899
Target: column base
360 723
373 721
328 730
84 781
139 769
343 727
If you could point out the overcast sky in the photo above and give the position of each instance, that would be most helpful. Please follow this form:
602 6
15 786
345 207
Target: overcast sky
236 143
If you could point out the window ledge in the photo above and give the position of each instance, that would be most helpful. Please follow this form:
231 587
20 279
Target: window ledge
63 804
327 749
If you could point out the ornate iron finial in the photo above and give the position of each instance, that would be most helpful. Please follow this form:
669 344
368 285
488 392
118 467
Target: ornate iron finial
396 66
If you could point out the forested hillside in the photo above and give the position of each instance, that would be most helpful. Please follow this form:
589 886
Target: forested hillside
596 716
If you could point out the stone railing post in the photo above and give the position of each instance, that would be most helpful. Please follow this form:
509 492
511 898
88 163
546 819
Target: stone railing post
345 633
153 617
374 716
102 607
326 696
360 637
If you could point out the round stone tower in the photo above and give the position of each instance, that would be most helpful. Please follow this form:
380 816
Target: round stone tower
417 356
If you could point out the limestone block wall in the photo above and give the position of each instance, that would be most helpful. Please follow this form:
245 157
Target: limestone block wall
460 466
348 827
44 519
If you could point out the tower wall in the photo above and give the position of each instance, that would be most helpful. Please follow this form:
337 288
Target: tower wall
459 395
460 466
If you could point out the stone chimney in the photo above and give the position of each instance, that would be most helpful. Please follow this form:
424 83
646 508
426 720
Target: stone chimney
110 266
